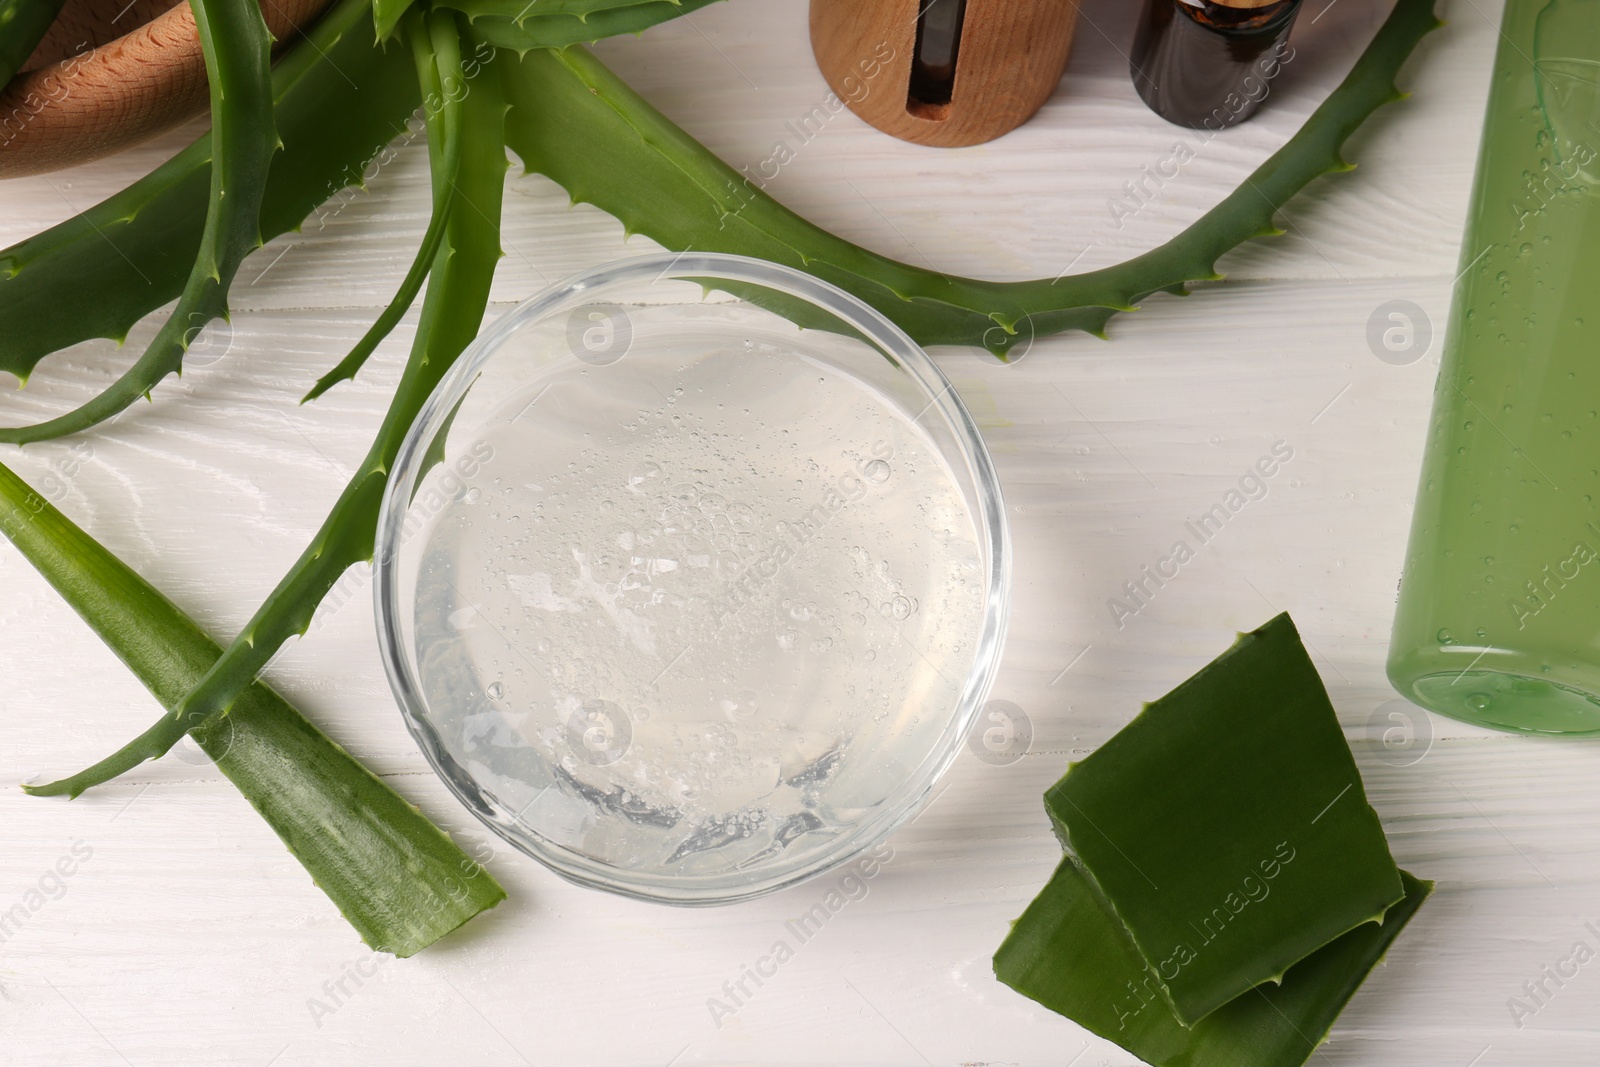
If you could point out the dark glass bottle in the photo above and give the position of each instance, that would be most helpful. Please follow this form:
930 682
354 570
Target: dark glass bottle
933 64
1208 65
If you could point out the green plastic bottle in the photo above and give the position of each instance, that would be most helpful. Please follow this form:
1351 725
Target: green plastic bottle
1498 619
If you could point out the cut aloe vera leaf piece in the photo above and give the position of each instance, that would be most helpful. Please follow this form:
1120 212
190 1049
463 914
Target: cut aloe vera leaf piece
1226 825
399 880
1071 954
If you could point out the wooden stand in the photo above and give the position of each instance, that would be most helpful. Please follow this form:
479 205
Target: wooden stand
1008 58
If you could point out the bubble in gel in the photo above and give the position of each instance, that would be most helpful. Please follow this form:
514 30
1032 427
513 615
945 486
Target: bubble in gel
644 475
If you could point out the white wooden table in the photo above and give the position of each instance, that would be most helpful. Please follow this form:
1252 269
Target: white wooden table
190 936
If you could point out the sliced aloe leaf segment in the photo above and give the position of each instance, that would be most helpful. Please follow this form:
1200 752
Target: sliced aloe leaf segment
1070 953
1226 827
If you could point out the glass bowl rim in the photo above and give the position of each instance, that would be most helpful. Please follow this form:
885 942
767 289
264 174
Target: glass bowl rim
878 330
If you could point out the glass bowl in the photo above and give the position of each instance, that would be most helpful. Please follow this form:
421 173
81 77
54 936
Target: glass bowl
684 601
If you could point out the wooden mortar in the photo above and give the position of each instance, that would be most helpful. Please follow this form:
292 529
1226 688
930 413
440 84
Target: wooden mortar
110 74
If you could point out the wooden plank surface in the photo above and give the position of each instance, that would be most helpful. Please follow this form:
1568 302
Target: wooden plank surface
190 936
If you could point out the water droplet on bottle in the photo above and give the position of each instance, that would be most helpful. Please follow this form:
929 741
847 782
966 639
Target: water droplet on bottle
496 690
876 472
1479 701
1445 637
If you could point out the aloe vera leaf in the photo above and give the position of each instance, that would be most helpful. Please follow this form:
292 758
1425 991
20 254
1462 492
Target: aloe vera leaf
519 10
555 22
394 875
1071 954
337 101
1226 826
558 31
386 16
238 57
452 309
347 368
444 149
577 123
22 26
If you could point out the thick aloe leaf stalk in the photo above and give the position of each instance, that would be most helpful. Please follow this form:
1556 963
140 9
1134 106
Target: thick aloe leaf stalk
576 122
1226 826
1069 953
442 104
458 294
22 26
395 876
238 56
